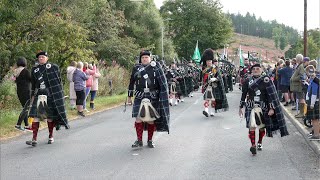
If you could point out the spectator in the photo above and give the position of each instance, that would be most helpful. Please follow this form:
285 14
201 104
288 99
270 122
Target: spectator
23 80
312 97
294 63
85 66
296 83
90 72
285 74
79 79
72 92
314 63
95 85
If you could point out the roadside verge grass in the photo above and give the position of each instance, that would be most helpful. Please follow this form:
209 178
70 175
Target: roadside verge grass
8 118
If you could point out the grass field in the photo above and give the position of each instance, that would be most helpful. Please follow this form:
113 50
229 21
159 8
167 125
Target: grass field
9 118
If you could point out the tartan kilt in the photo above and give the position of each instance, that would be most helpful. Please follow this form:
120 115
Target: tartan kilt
248 113
52 111
247 116
137 103
217 92
313 113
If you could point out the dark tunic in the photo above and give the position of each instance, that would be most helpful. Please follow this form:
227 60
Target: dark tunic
23 82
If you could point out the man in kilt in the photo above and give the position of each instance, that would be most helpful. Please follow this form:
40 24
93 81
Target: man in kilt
244 72
172 76
189 80
181 87
47 98
312 98
151 104
259 96
213 86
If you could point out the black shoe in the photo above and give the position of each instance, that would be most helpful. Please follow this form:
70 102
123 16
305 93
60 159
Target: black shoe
286 104
253 150
137 143
92 106
205 113
81 114
19 127
32 143
151 144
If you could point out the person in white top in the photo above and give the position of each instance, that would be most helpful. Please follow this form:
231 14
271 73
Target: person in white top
72 92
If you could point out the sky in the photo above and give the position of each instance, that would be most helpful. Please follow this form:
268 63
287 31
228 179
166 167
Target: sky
275 10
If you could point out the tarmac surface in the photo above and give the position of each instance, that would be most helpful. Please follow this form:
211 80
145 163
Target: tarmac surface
198 147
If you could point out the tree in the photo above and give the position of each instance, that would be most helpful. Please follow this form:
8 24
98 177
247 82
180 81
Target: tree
143 23
194 20
30 26
282 42
276 34
313 46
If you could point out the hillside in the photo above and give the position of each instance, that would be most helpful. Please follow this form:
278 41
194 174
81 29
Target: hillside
263 46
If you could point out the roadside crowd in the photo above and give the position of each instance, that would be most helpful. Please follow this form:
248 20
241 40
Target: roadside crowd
297 84
83 80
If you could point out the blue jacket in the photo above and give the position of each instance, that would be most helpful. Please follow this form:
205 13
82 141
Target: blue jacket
285 74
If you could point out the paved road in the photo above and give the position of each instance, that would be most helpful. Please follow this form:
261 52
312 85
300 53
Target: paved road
99 147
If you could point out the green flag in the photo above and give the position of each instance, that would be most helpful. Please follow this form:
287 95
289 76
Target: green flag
196 55
240 57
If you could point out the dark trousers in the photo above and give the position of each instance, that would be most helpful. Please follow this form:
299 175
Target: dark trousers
23 102
81 95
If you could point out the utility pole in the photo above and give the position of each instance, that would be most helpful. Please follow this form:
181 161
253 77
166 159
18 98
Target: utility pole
162 51
305 32
162 37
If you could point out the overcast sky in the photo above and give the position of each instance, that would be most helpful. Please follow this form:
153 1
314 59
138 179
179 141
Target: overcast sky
288 12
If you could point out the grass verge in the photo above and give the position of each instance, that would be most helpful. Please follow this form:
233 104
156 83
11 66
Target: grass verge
9 118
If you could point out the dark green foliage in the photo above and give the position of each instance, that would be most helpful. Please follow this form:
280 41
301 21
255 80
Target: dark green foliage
252 26
193 20
313 46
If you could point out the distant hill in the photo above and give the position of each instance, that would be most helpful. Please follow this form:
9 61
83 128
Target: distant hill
264 47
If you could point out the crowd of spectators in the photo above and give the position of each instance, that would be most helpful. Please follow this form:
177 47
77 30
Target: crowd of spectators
297 84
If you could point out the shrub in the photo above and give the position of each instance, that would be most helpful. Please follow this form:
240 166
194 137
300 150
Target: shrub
119 77
8 94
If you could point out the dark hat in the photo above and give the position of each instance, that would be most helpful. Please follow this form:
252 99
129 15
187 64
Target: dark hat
255 65
42 53
207 55
143 53
306 59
